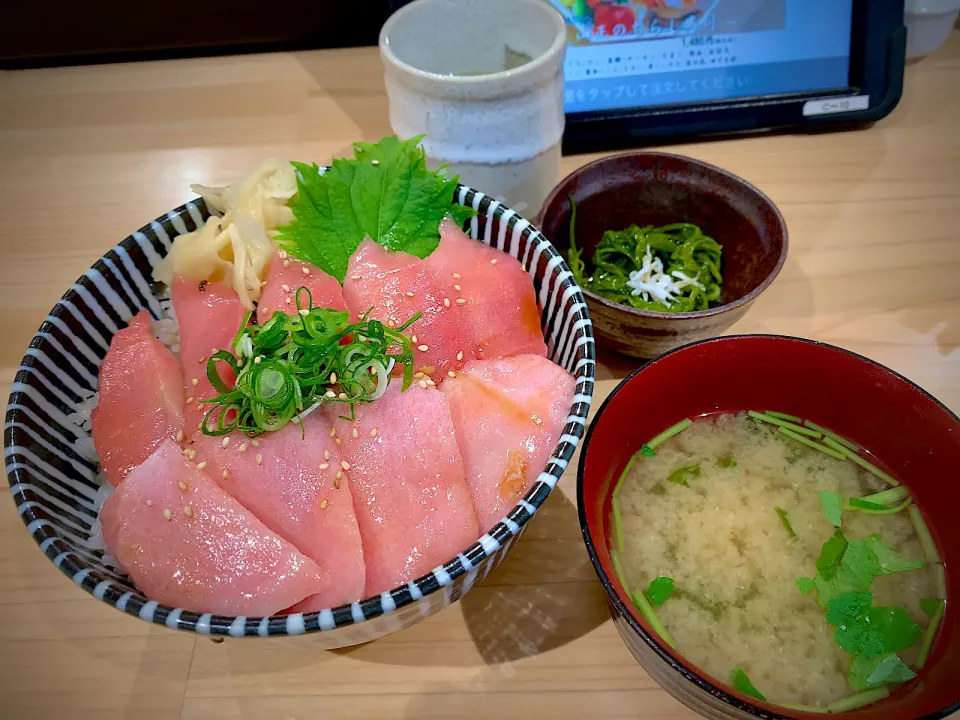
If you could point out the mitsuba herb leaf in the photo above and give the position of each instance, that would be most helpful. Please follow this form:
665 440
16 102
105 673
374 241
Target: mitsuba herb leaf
870 631
682 475
890 560
385 192
659 590
741 682
832 506
867 673
805 585
844 566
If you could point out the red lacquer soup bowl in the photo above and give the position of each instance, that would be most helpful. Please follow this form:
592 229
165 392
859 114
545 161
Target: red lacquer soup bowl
909 431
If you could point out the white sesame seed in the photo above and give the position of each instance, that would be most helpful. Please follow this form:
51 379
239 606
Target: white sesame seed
413 339
167 514
203 359
493 262
461 301
344 464
149 502
188 400
391 323
283 254
259 459
182 485
242 448
324 466
457 276
188 511
338 441
408 294
305 269
304 311
333 432
342 396
355 433
460 355
286 263
373 433
193 454
255 442
226 474
451 373
326 454
457 288
446 302
180 436
330 394
356 277
423 384
336 481
333 378
423 348
374 162
288 301
285 288
339 475
430 382
225 442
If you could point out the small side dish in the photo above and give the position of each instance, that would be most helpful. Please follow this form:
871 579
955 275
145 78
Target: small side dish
673 268
773 554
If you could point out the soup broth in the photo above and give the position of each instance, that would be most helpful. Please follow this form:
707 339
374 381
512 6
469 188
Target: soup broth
730 509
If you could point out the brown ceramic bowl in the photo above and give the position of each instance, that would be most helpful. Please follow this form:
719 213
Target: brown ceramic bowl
653 188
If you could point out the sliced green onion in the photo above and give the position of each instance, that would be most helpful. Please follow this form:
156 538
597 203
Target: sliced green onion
667 434
623 475
865 464
832 435
804 708
646 609
783 416
785 521
930 552
929 634
859 700
810 443
617 523
887 496
798 429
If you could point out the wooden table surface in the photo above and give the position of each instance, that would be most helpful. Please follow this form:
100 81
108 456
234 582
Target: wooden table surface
89 154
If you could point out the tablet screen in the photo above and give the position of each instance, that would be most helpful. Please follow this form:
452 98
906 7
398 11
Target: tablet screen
642 53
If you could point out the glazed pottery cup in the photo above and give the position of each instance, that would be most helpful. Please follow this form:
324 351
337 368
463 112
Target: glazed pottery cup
483 81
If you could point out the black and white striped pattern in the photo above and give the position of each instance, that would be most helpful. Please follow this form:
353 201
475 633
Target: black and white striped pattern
53 471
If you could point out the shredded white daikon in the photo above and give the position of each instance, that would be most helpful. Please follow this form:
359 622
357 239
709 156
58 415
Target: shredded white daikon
653 284
235 248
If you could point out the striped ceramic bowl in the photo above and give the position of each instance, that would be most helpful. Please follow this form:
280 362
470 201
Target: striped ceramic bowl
53 471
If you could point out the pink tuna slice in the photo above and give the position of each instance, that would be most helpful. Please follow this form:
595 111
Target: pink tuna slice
325 290
502 318
406 474
210 555
397 286
289 481
141 399
508 416
209 315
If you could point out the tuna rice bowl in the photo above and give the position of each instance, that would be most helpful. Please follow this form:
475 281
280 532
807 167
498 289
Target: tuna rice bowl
337 391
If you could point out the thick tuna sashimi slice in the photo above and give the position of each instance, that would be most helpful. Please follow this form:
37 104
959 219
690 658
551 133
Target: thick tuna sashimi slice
406 474
209 315
141 399
502 318
285 275
289 481
508 416
397 285
188 544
